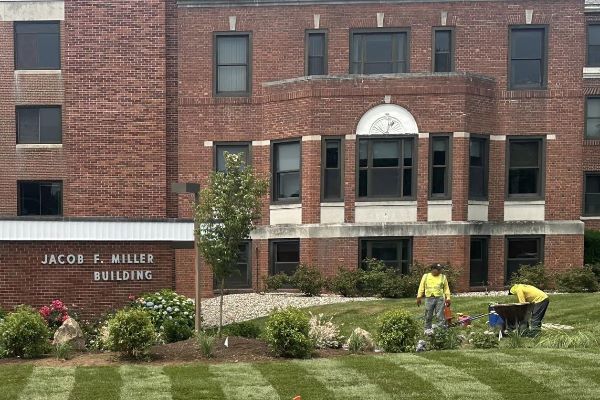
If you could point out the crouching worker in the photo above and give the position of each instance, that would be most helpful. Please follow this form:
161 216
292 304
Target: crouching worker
434 287
531 294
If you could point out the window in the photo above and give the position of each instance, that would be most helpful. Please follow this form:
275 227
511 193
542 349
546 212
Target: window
379 52
232 69
439 158
40 198
285 256
592 194
592 118
39 125
37 45
593 46
241 278
386 168
286 160
316 53
393 252
443 50
527 58
478 168
332 169
525 168
243 149
522 251
479 262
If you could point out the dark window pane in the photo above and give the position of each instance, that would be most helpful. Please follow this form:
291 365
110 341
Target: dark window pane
241 150
37 45
523 181
363 153
28 125
332 184
593 56
407 183
49 51
50 125
232 57
594 35
525 249
287 156
232 79
232 50
592 129
527 43
378 68
476 250
286 257
443 51
442 41
316 66
332 157
476 153
40 198
592 118
408 153
385 182
378 53
289 185
385 154
393 253
524 154
526 72
363 183
592 195
443 62
438 180
378 48
30 198
316 44
592 184
476 182
440 151
385 251
50 199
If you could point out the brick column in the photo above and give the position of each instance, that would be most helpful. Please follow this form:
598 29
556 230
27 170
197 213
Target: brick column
496 262
311 180
349 179
259 263
497 178
261 162
460 176
422 177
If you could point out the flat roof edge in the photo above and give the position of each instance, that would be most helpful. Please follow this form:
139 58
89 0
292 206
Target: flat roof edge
259 3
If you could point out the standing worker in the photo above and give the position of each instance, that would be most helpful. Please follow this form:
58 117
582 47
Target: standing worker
531 294
434 287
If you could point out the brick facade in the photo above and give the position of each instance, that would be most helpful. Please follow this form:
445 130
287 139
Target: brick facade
139 113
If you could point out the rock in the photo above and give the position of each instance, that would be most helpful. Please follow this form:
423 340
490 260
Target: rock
70 332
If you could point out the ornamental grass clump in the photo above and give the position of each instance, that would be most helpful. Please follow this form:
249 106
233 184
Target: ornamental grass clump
287 333
397 331
24 333
131 332
324 332
559 339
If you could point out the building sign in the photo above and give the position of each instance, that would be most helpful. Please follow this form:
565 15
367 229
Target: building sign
103 275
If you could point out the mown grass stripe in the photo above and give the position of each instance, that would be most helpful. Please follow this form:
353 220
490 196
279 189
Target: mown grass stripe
47 383
193 382
451 381
243 381
98 383
511 384
562 381
397 382
290 380
14 378
144 383
343 382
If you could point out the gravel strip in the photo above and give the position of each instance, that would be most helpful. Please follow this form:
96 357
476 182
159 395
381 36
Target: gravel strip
247 306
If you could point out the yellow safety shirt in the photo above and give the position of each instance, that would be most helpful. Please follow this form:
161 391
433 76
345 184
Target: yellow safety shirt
528 293
434 286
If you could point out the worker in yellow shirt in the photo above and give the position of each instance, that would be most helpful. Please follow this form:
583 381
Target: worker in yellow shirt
531 294
434 287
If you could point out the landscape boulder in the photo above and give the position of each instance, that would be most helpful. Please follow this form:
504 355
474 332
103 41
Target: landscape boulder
70 332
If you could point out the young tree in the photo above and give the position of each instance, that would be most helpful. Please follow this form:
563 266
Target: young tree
229 206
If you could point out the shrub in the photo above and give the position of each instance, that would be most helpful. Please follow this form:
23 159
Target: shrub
532 275
276 282
287 333
594 267
324 333
131 332
247 329
346 282
96 332
360 341
63 351
24 333
592 247
484 339
166 305
206 344
2 314
577 280
308 280
55 314
442 338
375 273
397 331
173 331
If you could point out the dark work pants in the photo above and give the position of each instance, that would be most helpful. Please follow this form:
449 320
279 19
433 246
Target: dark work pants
539 311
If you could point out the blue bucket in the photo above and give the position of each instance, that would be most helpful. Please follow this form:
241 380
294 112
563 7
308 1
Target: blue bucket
494 319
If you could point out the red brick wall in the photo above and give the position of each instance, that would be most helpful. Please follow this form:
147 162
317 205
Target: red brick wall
24 280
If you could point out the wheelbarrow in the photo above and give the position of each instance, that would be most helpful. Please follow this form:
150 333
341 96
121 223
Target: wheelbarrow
516 316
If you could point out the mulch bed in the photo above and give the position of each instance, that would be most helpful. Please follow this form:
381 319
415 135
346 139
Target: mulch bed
240 350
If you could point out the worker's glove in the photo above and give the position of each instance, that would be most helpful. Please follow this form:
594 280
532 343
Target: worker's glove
447 303
418 301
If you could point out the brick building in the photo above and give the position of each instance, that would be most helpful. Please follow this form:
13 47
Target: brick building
411 131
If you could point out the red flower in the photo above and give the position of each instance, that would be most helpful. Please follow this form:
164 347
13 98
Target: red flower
45 311
131 297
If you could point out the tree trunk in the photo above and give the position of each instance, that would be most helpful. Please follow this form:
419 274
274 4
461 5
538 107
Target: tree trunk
222 290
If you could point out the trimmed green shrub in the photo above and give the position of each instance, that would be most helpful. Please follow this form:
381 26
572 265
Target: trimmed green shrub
443 339
174 331
484 339
577 280
346 282
287 333
591 245
595 269
534 275
397 331
24 333
131 332
308 280
276 282
247 329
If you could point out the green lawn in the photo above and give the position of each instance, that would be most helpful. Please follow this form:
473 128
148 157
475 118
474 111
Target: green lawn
526 374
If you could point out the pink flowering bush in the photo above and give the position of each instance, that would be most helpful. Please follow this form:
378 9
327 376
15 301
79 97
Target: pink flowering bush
55 315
